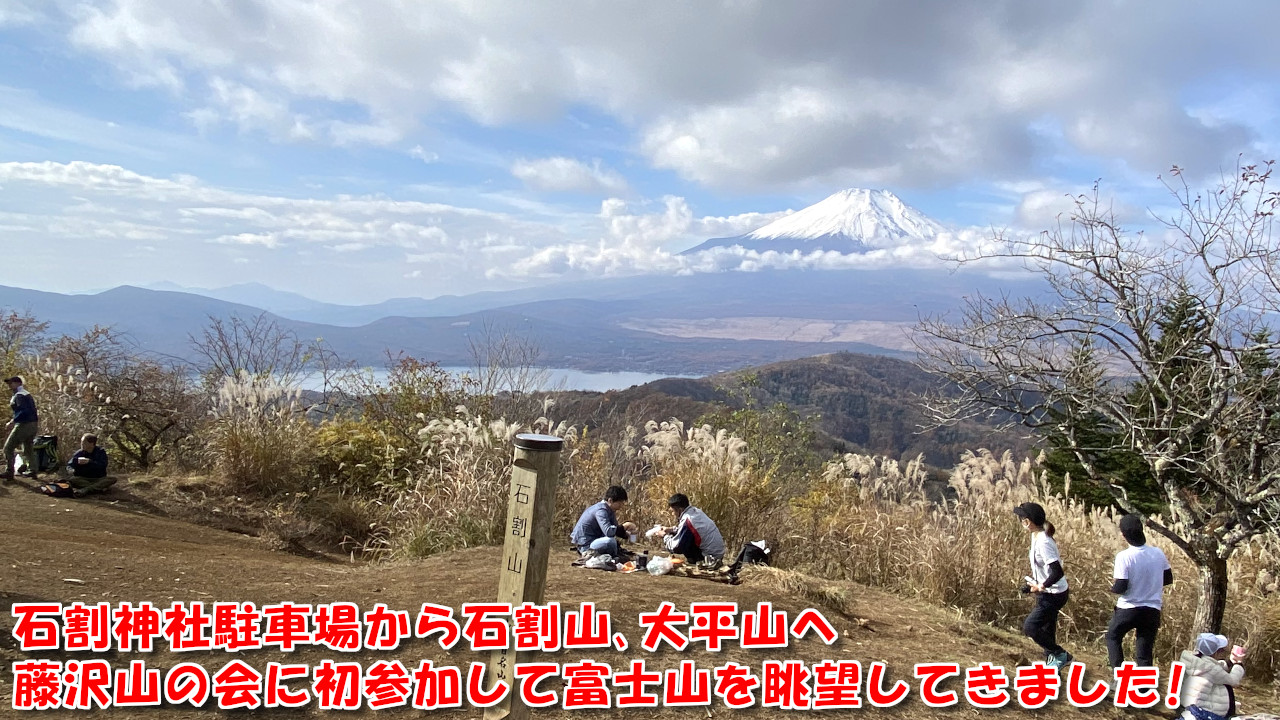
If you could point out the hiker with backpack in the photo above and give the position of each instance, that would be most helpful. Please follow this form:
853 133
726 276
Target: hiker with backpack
1140 576
88 468
21 430
1047 582
598 529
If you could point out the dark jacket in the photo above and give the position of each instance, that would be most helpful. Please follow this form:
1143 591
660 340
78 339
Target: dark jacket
95 468
23 406
596 522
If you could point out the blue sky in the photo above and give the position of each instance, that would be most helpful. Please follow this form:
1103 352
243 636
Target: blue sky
355 151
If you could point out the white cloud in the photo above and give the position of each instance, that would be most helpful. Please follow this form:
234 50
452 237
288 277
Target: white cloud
108 212
267 240
562 174
18 12
744 94
182 227
417 151
1043 208
249 110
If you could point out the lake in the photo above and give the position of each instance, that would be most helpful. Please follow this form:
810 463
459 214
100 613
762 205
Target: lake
558 379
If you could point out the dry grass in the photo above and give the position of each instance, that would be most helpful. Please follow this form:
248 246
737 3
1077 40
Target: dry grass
865 519
817 591
711 467
260 437
971 555
353 482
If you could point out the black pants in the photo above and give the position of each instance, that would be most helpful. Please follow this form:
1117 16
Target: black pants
1042 624
1146 621
689 549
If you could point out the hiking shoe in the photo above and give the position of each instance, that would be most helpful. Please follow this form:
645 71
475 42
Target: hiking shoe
78 492
1061 660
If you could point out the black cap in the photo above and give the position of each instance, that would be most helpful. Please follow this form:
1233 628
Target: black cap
1031 511
15 378
1131 529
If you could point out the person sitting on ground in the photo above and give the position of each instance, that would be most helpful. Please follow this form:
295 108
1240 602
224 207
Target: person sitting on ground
598 529
1141 574
694 535
21 430
88 468
1208 691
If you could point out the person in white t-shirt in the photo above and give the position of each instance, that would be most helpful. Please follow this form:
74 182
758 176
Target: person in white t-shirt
1047 581
1141 572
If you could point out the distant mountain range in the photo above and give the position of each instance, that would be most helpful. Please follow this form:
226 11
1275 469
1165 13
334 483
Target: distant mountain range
299 307
692 324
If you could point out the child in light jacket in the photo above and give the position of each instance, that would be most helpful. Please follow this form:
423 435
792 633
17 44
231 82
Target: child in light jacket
1207 691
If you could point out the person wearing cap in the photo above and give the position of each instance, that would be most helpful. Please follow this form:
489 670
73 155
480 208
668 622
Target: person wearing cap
1141 573
598 529
1047 581
22 429
1208 690
694 535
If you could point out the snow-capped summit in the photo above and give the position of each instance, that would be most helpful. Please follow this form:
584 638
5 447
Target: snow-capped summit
850 221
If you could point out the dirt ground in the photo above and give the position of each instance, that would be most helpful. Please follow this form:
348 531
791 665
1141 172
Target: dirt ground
64 550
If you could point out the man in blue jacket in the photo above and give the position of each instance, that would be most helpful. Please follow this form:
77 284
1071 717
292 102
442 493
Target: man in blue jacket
88 467
598 529
22 429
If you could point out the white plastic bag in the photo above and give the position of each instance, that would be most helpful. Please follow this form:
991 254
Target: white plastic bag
659 565
599 562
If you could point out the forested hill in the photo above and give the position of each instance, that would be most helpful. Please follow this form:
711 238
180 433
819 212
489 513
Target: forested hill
867 403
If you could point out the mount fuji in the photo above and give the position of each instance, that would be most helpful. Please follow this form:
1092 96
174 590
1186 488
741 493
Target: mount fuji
850 221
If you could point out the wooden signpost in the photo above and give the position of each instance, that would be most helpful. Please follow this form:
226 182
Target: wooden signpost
531 507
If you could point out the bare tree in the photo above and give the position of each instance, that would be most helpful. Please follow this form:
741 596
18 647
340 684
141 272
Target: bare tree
505 366
257 346
146 407
1162 345
20 334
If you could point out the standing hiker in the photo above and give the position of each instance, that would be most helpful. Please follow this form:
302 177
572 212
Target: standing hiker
1141 572
22 430
598 529
1048 582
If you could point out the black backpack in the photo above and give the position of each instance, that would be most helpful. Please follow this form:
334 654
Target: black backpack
58 488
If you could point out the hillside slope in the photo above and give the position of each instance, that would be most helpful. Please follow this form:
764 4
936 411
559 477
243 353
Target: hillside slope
868 403
93 552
